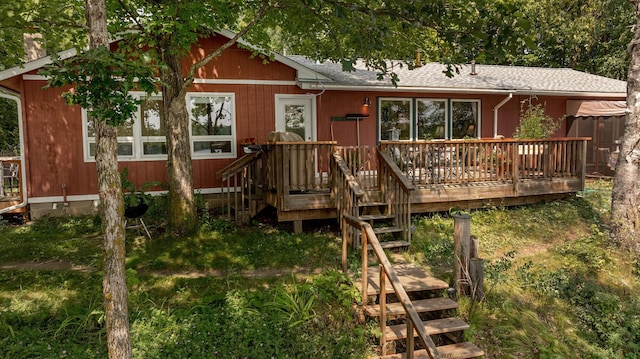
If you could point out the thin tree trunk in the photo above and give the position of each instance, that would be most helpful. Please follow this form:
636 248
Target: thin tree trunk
625 201
114 284
182 209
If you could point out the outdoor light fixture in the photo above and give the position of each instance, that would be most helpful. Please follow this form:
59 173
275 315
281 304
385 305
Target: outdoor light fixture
367 102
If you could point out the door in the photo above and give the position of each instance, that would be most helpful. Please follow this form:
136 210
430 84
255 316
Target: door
296 113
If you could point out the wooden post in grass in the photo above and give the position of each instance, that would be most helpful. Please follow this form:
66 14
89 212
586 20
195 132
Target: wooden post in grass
462 248
476 271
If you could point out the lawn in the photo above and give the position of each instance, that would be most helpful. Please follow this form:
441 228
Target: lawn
554 287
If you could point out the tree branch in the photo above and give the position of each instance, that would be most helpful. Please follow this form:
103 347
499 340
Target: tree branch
133 16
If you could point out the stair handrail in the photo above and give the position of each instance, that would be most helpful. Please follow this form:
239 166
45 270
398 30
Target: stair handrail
414 322
396 191
346 193
237 165
241 174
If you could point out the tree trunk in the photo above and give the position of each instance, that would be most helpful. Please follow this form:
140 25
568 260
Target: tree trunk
625 201
114 284
182 209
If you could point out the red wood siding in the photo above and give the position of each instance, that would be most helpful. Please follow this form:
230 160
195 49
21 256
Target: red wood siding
53 130
235 63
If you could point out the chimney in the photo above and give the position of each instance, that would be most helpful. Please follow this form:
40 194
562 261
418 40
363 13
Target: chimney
33 47
473 68
418 62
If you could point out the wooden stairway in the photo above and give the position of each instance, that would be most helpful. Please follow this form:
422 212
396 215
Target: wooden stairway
377 214
435 311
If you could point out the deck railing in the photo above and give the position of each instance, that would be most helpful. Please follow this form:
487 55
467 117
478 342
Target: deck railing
396 192
346 194
11 185
387 272
363 163
299 166
468 161
239 187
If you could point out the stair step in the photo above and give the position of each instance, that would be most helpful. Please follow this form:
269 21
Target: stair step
373 217
437 326
452 351
381 230
372 204
412 278
391 244
421 306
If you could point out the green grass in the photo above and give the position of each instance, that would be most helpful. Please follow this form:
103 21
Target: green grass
554 288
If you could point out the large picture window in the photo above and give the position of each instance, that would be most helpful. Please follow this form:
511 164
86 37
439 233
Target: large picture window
211 129
212 123
434 118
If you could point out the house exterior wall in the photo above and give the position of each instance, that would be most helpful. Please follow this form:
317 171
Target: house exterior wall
55 161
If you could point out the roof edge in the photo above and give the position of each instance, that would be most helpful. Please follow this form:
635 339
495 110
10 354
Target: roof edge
35 64
388 88
303 72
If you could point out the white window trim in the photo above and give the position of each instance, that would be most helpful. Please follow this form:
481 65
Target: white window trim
88 140
137 139
231 138
414 114
137 132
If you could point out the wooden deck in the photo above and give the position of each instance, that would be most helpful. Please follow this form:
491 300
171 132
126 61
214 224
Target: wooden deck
298 178
11 189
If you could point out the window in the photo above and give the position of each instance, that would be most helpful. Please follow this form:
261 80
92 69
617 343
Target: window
211 129
152 139
125 138
465 117
212 123
434 118
395 119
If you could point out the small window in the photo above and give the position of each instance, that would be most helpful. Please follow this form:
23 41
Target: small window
465 118
125 139
212 123
395 119
153 140
432 119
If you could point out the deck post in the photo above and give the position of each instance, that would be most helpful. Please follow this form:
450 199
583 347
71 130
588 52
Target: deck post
462 248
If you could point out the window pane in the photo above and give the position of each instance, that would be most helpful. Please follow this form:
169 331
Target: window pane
211 115
294 119
395 119
431 119
126 130
211 147
124 149
154 148
464 119
152 121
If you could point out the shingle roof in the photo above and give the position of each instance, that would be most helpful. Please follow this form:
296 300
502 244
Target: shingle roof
430 77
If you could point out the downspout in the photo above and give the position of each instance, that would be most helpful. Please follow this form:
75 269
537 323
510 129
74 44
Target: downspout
4 93
495 114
